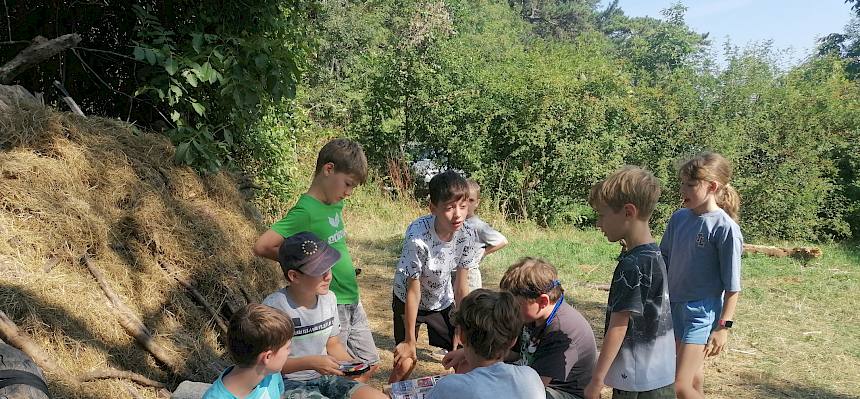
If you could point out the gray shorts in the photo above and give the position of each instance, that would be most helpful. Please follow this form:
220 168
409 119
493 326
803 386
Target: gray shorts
355 333
475 279
552 393
324 387
667 392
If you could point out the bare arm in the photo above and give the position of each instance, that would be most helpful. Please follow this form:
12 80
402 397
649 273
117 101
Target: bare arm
336 349
719 337
267 245
611 345
493 248
323 364
461 287
413 296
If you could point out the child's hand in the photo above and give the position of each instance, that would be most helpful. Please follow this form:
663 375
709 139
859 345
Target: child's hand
326 365
592 391
717 341
456 359
405 350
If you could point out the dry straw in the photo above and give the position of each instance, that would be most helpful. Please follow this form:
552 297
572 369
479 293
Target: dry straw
73 186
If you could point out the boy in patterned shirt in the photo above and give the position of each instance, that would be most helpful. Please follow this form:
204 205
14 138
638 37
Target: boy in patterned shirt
435 247
638 355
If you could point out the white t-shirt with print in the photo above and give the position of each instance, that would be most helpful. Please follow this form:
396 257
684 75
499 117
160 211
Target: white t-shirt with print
313 327
432 261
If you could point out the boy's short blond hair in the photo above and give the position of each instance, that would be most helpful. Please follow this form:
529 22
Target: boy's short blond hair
346 155
490 322
254 329
474 187
531 277
628 185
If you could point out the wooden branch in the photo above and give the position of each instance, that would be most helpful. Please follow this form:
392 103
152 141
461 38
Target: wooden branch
132 325
132 392
39 51
803 253
9 332
194 294
114 373
68 99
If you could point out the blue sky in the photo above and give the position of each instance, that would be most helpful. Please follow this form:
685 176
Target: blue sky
793 24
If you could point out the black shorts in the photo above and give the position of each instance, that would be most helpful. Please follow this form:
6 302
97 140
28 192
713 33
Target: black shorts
439 327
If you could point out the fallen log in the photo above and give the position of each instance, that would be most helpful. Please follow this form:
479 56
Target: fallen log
40 50
803 253
188 284
114 373
132 325
10 333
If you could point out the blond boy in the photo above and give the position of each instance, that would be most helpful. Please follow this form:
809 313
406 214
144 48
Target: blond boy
638 355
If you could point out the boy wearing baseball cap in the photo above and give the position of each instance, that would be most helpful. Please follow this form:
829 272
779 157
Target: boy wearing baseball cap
313 364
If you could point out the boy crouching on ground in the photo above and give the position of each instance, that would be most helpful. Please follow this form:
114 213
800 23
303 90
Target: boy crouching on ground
259 342
313 368
488 324
556 341
638 355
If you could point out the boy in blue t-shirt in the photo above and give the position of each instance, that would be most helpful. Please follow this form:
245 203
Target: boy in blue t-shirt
259 342
638 355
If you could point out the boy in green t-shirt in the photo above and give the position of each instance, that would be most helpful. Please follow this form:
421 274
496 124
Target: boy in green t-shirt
341 166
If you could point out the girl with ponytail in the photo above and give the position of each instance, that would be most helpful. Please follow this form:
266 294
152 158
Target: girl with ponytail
702 248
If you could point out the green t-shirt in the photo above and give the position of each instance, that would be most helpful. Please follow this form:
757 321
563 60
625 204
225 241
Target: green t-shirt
326 222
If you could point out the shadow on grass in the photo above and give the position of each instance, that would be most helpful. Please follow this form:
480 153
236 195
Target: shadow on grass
777 388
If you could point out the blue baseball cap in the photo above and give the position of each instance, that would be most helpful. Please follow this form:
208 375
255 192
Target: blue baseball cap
306 253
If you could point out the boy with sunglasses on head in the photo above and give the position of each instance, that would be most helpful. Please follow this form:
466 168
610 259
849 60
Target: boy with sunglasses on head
556 341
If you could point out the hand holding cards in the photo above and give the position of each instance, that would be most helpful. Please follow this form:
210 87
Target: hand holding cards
353 367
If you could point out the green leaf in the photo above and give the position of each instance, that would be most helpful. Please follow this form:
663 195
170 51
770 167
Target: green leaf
174 116
261 60
190 77
197 42
176 90
181 153
199 108
150 56
139 53
228 137
170 66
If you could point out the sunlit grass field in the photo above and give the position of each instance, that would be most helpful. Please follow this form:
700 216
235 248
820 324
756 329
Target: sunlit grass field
797 332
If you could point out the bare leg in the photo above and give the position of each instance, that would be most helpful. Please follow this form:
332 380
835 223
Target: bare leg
368 392
690 365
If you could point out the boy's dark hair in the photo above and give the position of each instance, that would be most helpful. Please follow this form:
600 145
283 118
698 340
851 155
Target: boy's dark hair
490 322
255 329
448 186
346 155
628 185
531 277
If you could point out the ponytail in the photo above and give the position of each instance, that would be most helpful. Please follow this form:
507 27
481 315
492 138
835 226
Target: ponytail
729 199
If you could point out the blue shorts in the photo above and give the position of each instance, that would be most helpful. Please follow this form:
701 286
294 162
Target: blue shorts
693 321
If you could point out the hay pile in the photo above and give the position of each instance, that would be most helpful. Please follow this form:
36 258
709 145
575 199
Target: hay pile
72 187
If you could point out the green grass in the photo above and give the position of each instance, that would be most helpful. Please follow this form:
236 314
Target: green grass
797 333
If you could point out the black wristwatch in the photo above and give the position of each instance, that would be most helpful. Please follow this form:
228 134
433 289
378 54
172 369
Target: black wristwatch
726 323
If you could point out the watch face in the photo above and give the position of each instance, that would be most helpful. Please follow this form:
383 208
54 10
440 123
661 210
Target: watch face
727 323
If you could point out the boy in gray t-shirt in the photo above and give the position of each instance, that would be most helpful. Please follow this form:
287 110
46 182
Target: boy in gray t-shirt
638 355
489 239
